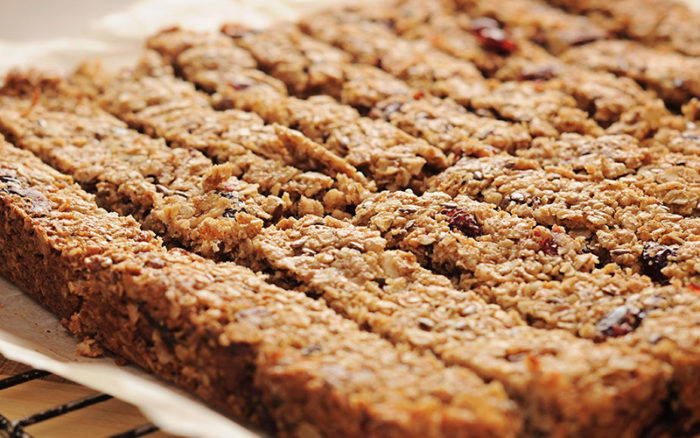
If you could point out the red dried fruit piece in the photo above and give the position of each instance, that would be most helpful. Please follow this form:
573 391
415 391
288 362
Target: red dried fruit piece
546 242
549 246
654 259
418 95
238 86
694 287
491 36
620 321
463 221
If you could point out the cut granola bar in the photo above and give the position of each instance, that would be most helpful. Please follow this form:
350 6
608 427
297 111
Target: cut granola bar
389 293
169 108
621 221
673 76
393 159
663 24
267 354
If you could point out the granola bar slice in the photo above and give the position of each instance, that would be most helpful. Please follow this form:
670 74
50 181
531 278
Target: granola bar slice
451 128
480 40
545 275
664 24
270 355
671 177
624 224
389 293
392 158
537 21
607 98
416 62
173 191
472 241
546 111
592 158
674 336
169 108
618 104
673 76
365 87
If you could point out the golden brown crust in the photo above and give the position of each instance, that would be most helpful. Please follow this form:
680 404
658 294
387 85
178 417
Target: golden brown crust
534 226
270 355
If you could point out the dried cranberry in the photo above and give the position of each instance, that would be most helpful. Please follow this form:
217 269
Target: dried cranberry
654 259
238 86
418 95
694 287
491 36
549 246
461 220
620 321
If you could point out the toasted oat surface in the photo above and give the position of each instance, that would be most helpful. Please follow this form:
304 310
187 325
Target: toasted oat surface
409 218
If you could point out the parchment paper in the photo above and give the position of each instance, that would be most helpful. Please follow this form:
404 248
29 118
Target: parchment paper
58 38
57 35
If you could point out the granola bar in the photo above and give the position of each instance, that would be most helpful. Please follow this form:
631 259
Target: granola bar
546 111
169 108
674 335
673 76
392 158
667 24
450 127
609 99
170 190
261 352
366 87
387 292
547 276
537 21
624 224
416 62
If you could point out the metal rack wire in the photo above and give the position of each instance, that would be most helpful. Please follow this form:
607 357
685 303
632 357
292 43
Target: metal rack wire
15 428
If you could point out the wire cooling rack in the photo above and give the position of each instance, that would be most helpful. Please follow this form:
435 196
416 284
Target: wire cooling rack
16 428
